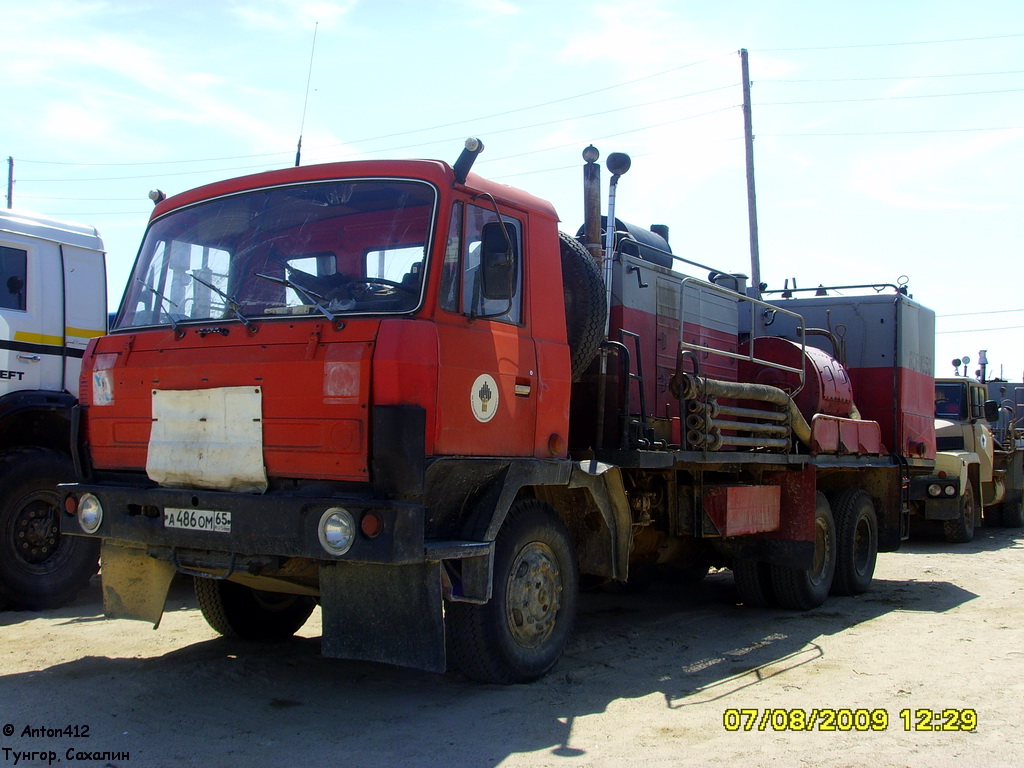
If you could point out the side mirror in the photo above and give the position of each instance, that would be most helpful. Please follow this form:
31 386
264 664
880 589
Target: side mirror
991 411
499 258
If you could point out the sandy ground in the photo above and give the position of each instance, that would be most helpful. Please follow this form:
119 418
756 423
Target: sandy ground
648 680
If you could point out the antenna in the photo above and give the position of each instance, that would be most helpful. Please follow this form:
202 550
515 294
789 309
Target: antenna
305 101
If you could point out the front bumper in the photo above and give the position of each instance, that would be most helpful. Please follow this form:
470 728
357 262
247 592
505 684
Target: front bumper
945 505
273 524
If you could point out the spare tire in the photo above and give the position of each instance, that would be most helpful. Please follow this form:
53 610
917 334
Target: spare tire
585 303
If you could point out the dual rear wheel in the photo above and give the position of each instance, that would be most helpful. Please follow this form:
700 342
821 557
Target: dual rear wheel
845 551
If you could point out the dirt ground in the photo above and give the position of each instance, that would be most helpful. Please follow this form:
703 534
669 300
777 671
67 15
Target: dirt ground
653 679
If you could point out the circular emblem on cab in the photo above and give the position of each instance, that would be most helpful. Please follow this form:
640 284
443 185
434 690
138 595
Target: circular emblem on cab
483 397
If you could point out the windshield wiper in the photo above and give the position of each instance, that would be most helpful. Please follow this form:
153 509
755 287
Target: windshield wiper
313 298
232 304
179 333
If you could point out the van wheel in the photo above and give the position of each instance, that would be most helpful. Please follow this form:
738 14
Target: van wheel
960 530
235 610
521 632
585 303
856 541
39 567
801 589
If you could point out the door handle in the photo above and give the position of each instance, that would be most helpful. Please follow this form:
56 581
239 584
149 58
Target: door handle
30 358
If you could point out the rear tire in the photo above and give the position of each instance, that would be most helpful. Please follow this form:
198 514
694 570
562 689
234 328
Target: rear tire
235 610
961 529
39 567
856 541
1012 514
801 589
519 635
754 583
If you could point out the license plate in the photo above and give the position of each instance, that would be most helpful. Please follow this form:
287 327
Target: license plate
198 520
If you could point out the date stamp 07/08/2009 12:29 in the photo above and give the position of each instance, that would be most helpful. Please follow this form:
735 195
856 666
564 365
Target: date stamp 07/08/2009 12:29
920 719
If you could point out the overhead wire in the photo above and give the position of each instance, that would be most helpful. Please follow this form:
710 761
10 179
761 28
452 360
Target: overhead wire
595 114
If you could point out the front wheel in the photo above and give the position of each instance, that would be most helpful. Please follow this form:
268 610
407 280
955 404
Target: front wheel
960 530
521 632
39 567
235 610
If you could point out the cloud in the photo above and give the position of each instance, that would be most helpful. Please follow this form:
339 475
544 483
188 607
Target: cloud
291 14
939 174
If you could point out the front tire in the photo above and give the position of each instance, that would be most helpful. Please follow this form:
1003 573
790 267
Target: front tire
519 635
961 529
39 567
235 610
801 589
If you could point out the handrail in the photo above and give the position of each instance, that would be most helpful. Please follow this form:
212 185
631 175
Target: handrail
754 304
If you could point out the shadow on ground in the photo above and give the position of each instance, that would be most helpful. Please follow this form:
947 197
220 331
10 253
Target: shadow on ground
246 704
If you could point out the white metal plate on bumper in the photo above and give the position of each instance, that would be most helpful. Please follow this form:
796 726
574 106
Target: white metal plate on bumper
208 438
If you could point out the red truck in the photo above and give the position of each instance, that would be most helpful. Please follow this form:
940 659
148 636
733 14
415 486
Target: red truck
396 390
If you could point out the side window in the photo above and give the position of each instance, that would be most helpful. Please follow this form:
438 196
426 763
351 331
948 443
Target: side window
449 296
13 274
478 298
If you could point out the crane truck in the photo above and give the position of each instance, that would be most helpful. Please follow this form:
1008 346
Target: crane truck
396 390
53 300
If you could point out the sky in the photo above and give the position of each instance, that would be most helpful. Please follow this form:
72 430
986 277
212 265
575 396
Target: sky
889 136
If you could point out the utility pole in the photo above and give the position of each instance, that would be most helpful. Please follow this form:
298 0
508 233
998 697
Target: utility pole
748 137
10 182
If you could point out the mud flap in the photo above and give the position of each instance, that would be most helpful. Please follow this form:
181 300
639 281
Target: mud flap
135 585
386 613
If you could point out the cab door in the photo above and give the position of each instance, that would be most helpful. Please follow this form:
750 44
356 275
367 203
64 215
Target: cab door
487 393
31 315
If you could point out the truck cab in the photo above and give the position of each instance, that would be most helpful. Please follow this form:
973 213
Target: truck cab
976 477
52 303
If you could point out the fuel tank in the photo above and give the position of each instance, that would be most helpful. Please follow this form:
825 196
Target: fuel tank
827 388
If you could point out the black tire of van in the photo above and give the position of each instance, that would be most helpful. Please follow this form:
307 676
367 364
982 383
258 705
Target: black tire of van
39 567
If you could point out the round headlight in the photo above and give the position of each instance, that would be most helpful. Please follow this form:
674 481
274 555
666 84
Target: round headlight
934 489
337 531
951 490
90 513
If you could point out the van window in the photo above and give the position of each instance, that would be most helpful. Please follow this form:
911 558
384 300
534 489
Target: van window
13 274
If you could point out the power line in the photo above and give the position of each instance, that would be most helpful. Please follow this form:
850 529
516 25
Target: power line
154 162
984 330
447 140
615 135
896 133
886 45
885 98
989 312
890 77
399 133
542 104
563 120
